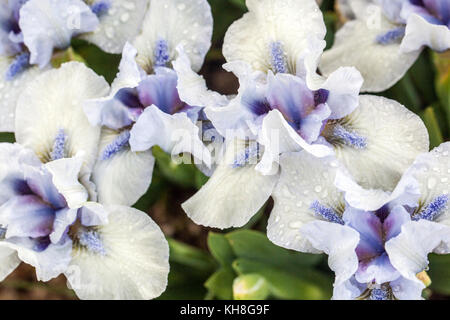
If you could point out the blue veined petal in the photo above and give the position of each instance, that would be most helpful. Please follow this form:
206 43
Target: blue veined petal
377 269
50 24
41 184
160 90
439 8
370 230
27 216
292 97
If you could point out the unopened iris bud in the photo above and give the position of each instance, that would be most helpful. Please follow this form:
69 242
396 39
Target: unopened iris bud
250 287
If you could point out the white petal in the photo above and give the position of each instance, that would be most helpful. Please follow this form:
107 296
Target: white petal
135 265
48 263
123 178
93 214
278 137
50 24
120 24
404 289
338 242
192 87
407 192
355 45
348 290
53 102
10 90
394 137
343 85
304 179
232 195
175 134
421 33
177 22
409 250
9 261
287 22
130 74
432 171
65 173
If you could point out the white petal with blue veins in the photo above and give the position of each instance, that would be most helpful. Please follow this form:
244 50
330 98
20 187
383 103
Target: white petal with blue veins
123 178
134 264
287 23
53 102
355 45
175 22
232 195
394 136
304 180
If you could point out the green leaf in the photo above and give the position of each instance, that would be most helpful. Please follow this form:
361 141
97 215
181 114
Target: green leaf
254 245
104 64
200 179
239 3
423 75
440 273
251 286
431 122
154 192
220 248
330 19
184 283
7 137
442 83
304 284
220 283
190 256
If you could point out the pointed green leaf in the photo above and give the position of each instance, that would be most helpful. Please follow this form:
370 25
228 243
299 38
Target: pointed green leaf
254 245
220 248
220 284
429 118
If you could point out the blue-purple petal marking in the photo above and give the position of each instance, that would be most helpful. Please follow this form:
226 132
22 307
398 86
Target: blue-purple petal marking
433 209
278 58
391 36
116 145
20 64
91 240
326 212
58 150
349 138
161 53
100 7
